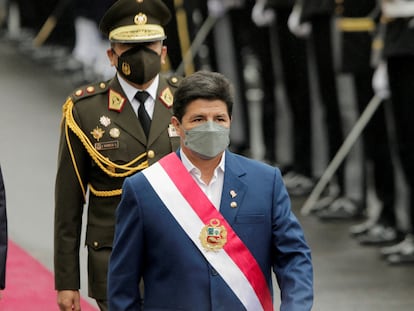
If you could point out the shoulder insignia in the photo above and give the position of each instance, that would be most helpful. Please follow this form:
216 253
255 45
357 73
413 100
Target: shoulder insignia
167 97
89 90
116 101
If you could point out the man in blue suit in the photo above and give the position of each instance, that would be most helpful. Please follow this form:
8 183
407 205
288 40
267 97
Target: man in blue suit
204 227
3 234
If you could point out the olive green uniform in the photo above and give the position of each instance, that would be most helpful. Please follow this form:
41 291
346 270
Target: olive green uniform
101 143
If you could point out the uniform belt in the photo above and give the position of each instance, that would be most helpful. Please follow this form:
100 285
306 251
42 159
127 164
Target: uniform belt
358 24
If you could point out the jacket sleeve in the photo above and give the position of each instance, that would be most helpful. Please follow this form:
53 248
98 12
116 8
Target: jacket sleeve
292 258
124 272
3 233
69 201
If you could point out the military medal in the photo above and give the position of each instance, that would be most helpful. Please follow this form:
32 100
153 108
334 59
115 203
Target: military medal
105 121
213 237
97 133
172 132
114 132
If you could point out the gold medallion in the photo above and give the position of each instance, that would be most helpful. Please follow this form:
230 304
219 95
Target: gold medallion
97 133
213 237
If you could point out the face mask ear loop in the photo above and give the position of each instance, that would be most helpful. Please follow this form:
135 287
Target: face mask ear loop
113 51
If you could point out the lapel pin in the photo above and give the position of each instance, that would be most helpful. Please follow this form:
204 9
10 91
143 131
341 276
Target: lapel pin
233 194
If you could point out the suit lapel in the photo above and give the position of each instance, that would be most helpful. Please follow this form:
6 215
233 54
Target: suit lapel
234 189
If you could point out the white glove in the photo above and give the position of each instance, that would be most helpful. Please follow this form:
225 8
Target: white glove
262 16
380 81
217 8
300 30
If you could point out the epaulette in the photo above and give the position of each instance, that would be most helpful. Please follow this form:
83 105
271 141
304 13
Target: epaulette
89 90
174 80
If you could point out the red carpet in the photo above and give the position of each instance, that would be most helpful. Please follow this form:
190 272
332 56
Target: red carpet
29 285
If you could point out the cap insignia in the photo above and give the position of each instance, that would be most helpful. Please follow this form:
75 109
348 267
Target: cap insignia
140 19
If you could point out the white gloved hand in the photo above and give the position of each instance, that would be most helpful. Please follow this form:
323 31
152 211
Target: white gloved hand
300 30
216 8
262 16
380 81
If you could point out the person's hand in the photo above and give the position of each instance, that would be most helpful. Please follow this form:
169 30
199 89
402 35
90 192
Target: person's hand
380 81
300 30
261 15
68 300
216 8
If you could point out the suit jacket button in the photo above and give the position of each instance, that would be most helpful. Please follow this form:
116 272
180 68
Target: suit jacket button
151 154
95 244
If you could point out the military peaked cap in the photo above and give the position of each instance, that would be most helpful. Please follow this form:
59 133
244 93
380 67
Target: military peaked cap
134 21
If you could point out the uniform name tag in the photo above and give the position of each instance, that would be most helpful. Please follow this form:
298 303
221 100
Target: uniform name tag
107 145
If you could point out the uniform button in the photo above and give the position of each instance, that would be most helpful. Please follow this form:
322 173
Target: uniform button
151 154
95 244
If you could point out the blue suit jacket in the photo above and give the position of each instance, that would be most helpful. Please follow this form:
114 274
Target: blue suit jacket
3 233
149 243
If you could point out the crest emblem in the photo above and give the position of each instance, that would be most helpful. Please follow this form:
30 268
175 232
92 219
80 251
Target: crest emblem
167 97
213 237
116 101
126 69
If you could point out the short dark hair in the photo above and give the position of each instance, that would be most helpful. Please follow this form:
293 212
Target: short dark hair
202 85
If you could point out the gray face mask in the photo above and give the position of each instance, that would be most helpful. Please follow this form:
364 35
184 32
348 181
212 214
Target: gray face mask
208 139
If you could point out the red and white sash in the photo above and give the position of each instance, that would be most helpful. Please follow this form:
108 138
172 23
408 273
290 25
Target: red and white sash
194 211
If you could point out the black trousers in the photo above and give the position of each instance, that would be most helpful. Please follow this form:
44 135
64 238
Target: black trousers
321 43
377 148
293 56
401 81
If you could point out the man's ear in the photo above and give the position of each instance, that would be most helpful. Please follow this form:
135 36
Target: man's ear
163 54
111 56
176 124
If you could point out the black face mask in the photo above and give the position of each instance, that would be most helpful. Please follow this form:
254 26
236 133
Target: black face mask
139 64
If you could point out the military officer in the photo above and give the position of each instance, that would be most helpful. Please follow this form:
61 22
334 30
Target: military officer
399 58
110 130
357 24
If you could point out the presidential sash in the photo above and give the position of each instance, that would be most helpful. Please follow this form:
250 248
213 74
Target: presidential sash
210 232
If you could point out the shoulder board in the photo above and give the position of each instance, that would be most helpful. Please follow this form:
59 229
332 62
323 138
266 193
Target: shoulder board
89 90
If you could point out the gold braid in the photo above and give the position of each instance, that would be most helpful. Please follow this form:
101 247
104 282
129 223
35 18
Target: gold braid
98 158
